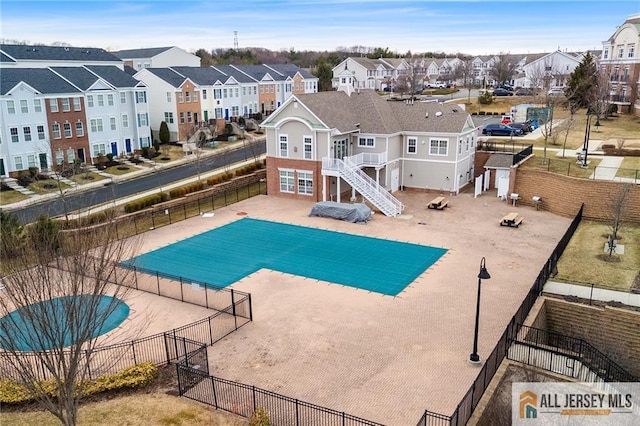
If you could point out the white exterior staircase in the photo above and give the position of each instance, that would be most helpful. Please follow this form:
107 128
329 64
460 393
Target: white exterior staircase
349 170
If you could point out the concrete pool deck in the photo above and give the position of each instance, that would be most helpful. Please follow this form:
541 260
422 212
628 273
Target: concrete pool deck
383 358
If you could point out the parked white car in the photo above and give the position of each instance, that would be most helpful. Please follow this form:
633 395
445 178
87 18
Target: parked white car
556 91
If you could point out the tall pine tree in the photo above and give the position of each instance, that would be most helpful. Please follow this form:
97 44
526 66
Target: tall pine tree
582 84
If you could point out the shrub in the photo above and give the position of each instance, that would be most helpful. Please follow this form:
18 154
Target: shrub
109 157
145 202
485 98
260 417
137 376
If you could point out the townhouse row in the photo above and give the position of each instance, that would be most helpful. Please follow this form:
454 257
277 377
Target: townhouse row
62 105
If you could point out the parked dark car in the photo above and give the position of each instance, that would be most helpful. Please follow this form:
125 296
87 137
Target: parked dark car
499 129
525 92
502 92
506 87
525 127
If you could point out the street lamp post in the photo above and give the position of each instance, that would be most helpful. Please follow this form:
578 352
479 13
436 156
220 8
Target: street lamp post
483 274
587 134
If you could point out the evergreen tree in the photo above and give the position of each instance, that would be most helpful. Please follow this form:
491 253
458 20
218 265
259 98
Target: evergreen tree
582 83
324 73
164 134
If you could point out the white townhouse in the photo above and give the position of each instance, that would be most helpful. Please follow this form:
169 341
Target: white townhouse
550 70
482 66
168 93
157 57
26 133
33 56
365 73
248 96
117 110
341 144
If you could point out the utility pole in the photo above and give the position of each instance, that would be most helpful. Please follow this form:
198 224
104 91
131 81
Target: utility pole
235 40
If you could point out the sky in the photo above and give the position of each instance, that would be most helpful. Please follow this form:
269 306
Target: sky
450 26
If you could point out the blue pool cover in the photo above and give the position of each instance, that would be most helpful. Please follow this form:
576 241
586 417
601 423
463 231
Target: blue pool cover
227 254
27 321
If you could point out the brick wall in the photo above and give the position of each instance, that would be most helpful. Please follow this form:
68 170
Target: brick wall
613 331
563 195
273 177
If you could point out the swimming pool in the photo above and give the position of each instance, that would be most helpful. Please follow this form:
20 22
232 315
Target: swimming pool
227 254
66 318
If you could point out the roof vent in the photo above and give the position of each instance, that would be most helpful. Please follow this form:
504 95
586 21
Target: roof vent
438 113
426 115
454 110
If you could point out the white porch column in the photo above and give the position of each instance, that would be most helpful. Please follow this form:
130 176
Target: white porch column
338 189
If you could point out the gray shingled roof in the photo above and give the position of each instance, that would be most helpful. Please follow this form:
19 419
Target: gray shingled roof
168 75
57 53
259 71
234 72
140 53
41 79
114 75
499 161
379 116
78 76
290 70
202 76
5 58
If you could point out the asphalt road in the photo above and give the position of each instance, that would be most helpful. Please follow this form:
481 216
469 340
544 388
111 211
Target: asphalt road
58 206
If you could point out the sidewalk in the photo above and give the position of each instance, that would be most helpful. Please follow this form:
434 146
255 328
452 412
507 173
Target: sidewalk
141 171
589 293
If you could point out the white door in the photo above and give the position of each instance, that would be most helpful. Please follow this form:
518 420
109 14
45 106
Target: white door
503 187
395 180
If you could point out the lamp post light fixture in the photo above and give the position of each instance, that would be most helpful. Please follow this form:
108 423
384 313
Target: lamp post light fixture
474 358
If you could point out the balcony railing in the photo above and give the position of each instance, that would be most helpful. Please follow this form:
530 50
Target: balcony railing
369 159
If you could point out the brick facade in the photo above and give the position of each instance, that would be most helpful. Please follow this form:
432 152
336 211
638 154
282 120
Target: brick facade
273 177
68 114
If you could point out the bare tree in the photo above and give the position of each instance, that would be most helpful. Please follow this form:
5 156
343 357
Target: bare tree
567 125
64 293
618 203
464 72
503 69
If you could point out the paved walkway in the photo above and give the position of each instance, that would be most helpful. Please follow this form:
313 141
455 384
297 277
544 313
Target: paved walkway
589 293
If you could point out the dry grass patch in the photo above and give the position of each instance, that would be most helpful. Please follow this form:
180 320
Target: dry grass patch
122 169
84 178
585 261
135 410
11 196
47 186
173 153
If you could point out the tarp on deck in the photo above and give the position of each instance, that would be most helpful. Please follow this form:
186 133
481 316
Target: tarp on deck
356 213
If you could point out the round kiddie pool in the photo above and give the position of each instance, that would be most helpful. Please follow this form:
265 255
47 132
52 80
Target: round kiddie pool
19 331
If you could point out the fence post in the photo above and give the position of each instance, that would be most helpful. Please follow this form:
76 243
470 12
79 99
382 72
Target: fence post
215 396
253 391
133 349
343 419
233 308
153 222
135 276
181 291
158 281
250 309
184 209
206 295
297 414
166 348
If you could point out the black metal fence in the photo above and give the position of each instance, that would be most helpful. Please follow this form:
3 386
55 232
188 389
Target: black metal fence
564 355
465 408
160 349
192 206
243 400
